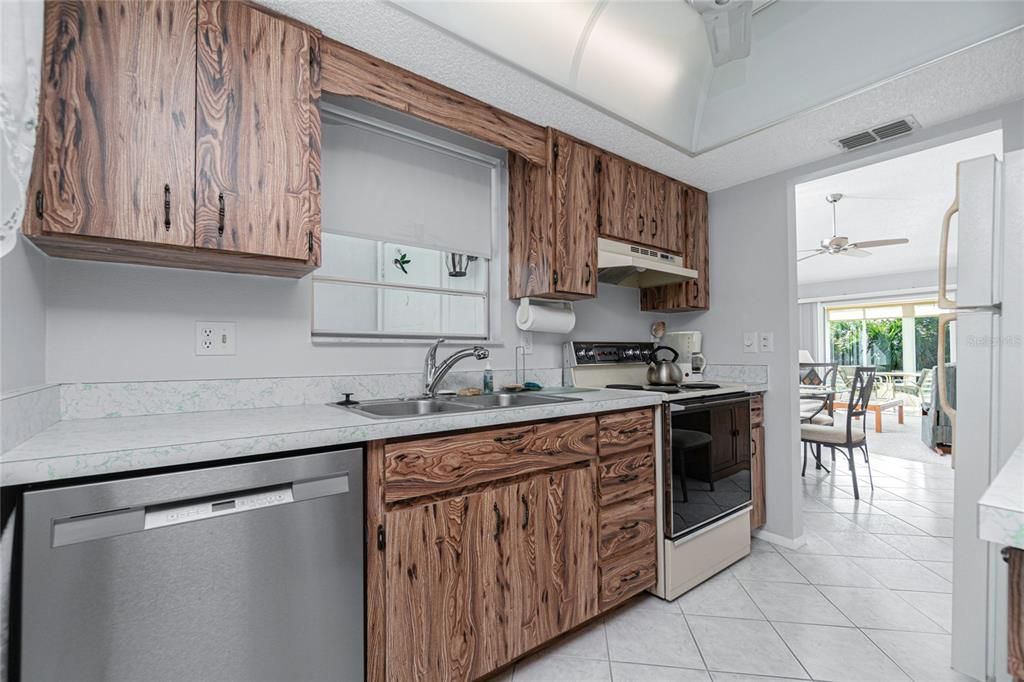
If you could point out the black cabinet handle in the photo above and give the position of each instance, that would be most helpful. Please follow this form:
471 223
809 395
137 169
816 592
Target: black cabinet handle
167 207
499 523
626 478
654 224
508 439
641 219
220 213
526 508
632 576
39 204
586 282
630 526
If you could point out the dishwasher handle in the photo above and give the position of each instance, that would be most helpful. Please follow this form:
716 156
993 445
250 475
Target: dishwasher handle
96 526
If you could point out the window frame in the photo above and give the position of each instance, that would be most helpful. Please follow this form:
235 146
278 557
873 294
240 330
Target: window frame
498 169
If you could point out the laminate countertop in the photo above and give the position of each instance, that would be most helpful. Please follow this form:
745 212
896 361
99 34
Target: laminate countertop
1001 508
88 447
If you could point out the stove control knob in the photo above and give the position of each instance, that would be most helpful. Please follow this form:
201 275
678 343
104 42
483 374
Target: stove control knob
590 354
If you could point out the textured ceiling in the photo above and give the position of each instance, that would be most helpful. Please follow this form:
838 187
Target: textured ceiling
970 81
901 197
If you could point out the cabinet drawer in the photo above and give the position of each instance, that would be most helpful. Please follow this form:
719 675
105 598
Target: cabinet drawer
756 410
627 576
629 525
625 431
626 475
427 466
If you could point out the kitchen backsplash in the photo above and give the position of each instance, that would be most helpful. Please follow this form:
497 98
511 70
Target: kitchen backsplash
751 375
25 413
126 399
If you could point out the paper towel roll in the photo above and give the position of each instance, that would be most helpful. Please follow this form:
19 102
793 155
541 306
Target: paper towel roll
557 318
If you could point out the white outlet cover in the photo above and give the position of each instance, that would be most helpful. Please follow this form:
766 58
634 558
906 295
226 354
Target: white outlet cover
215 338
749 342
766 342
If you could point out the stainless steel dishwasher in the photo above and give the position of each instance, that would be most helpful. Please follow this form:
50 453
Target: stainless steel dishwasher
249 571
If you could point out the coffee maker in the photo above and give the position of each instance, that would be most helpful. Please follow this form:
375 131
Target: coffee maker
691 360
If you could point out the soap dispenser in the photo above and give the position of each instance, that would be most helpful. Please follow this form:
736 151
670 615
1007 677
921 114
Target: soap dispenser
488 379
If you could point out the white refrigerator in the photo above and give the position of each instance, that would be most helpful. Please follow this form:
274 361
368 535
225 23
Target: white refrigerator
986 225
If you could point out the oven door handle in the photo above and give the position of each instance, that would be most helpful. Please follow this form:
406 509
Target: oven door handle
713 403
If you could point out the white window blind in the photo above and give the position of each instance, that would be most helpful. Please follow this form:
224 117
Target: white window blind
389 185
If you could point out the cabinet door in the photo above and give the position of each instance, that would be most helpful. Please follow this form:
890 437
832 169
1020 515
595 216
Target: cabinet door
697 248
118 77
675 220
656 211
576 205
569 547
757 513
619 212
258 133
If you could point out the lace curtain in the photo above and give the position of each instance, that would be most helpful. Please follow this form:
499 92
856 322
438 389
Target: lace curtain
21 47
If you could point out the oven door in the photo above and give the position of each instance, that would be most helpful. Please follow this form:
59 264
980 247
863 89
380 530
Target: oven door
708 461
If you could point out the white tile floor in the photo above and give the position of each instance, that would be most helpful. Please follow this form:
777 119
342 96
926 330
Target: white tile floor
868 598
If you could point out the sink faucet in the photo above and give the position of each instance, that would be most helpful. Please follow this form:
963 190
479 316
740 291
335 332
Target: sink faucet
434 373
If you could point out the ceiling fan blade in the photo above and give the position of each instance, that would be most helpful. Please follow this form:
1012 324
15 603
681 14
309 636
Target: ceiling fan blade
808 250
855 252
816 253
879 242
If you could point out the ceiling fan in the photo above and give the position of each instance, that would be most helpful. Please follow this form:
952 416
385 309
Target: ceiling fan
842 246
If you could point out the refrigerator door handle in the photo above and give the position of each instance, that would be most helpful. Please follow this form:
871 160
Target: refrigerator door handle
944 405
942 299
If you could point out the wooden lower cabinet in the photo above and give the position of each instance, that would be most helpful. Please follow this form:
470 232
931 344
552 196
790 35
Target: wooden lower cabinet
475 581
1015 612
757 511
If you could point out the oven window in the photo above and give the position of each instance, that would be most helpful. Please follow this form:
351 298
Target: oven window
710 465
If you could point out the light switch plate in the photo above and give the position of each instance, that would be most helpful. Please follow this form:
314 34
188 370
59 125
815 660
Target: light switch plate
215 338
749 342
766 342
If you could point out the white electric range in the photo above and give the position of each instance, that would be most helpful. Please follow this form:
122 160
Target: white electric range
702 458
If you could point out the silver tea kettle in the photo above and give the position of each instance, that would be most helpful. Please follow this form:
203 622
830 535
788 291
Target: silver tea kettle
664 372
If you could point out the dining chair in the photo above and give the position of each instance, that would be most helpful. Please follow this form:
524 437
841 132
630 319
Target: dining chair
841 438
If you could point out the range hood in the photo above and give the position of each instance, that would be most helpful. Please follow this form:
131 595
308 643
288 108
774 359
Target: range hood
629 265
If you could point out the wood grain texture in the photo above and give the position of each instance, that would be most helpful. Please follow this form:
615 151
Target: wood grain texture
694 295
313 215
429 567
628 526
675 218
376 576
656 209
626 475
618 199
620 432
83 247
116 123
756 410
576 204
758 513
570 547
254 130
428 466
531 233
347 71
1015 613
628 575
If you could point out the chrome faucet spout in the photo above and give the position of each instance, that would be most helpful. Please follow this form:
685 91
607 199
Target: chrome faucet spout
434 373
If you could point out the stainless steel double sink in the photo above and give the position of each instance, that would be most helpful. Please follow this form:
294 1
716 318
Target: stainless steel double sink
397 408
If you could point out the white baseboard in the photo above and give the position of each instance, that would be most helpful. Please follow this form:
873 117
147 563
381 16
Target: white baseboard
781 541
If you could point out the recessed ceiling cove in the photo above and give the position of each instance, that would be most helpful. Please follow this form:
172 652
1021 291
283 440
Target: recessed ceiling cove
649 63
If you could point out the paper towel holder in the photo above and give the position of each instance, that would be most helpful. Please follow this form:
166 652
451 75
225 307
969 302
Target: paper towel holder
524 306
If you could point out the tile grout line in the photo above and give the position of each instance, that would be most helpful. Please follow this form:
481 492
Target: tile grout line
774 629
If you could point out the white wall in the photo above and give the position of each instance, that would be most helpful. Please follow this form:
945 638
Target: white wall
22 318
923 282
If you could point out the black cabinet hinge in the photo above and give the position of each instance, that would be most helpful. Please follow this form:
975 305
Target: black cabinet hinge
39 204
597 166
381 539
600 220
554 276
554 150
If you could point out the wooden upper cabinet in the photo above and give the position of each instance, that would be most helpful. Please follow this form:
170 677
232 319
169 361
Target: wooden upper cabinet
693 295
116 138
675 219
257 133
576 199
655 210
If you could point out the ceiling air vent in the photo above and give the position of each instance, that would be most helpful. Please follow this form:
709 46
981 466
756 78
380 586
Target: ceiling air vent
882 132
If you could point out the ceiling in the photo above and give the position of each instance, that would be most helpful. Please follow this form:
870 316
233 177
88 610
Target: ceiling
902 197
610 99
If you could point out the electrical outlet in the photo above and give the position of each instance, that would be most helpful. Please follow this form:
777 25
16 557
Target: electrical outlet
526 341
749 342
215 338
766 342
